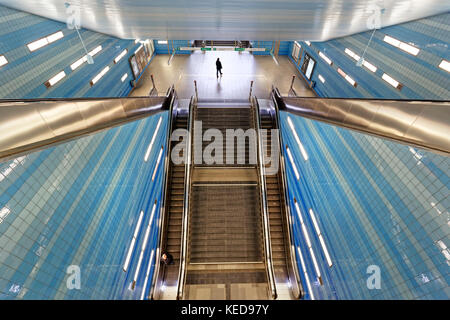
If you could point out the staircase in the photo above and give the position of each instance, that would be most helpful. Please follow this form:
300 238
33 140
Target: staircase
223 119
225 254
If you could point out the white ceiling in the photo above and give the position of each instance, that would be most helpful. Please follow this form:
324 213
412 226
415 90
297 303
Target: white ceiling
315 20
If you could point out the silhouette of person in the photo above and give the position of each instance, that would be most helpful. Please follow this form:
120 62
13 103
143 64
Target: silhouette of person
167 258
218 68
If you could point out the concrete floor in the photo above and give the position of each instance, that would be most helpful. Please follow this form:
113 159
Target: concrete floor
238 70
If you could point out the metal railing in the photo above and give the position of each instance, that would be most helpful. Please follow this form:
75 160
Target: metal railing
264 203
187 191
157 278
293 272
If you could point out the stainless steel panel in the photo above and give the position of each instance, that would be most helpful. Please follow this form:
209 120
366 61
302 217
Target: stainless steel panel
432 126
21 124
360 113
61 117
34 124
425 124
395 117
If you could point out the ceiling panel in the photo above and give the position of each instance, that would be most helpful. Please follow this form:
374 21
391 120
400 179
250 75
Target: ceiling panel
315 20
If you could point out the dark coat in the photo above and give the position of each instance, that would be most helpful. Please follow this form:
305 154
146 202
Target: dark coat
218 65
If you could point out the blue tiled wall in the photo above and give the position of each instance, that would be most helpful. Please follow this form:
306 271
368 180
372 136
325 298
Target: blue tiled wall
78 204
269 45
172 44
376 203
420 75
25 74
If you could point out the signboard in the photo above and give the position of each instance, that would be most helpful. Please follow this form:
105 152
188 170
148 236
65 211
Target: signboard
221 49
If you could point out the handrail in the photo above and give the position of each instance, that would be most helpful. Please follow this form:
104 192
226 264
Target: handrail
161 224
185 223
34 124
299 292
423 124
264 204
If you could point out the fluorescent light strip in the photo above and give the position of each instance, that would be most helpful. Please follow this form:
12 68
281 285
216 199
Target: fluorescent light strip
147 274
350 80
140 47
94 51
157 163
133 241
83 59
319 234
54 80
308 43
3 61
366 64
292 163
147 154
35 45
347 77
137 40
56 36
308 242
144 244
78 63
391 81
162 41
124 77
402 45
120 56
322 79
302 149
445 65
100 75
305 273
324 57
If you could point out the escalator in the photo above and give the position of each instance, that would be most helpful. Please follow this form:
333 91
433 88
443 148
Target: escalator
285 272
226 257
167 276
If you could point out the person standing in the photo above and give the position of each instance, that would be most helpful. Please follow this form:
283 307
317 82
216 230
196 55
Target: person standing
218 68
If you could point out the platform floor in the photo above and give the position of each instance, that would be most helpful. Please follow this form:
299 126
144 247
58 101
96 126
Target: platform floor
238 70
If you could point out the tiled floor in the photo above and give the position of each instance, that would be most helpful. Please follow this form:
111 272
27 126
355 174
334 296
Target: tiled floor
238 70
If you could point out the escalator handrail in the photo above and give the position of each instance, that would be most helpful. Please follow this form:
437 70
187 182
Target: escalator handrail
187 190
418 123
161 225
35 124
299 293
264 204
